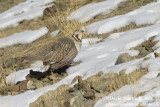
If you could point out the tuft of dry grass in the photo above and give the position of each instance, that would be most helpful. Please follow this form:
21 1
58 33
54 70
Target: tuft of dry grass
7 4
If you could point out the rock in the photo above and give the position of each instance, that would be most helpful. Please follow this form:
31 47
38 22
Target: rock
23 86
12 88
55 98
39 84
76 102
156 54
88 94
30 85
144 51
89 103
158 75
103 82
79 94
125 57
81 84
145 48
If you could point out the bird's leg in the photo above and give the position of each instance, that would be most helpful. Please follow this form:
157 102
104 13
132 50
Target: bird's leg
75 63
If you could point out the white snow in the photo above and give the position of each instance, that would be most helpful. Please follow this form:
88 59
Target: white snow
23 37
89 11
149 14
14 77
89 41
31 9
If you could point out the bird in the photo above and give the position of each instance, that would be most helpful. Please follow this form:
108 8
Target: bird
61 52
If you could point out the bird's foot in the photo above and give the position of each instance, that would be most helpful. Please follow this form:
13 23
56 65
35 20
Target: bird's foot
75 63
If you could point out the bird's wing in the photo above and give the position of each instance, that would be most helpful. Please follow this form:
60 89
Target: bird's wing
69 57
62 52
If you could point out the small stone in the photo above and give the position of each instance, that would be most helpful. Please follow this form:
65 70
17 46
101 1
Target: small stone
78 93
23 85
30 85
81 84
157 54
89 94
125 57
39 84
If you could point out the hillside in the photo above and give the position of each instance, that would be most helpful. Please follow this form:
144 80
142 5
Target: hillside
119 58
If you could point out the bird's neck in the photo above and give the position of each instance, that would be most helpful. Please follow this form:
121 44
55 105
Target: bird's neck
78 45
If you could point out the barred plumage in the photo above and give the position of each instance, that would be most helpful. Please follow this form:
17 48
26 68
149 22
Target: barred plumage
63 51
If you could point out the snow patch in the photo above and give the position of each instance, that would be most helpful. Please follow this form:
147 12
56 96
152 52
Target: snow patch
89 11
31 9
15 77
23 37
148 14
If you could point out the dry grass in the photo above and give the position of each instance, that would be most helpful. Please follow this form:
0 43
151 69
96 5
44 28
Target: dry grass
112 81
24 25
124 8
7 4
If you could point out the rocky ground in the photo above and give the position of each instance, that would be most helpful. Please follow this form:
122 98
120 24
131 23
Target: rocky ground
84 92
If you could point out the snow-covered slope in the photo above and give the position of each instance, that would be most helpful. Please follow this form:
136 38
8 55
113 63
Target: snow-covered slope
31 9
87 12
101 57
149 14
23 37
96 58
149 83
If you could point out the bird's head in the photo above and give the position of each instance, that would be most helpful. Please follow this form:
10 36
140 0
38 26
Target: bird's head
77 36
